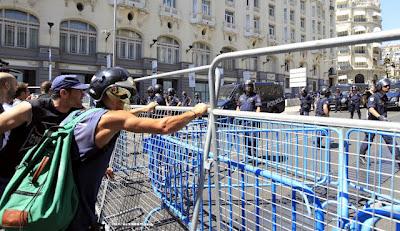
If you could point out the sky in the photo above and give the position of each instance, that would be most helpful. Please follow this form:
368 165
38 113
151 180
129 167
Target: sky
390 14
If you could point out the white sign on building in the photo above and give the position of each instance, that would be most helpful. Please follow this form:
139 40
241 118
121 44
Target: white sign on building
298 77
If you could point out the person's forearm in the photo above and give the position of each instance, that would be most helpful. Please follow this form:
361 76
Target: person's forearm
373 112
172 124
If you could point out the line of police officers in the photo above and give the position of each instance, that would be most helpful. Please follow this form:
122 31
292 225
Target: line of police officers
377 110
155 94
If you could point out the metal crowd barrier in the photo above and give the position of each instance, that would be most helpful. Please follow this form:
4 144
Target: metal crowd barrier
257 171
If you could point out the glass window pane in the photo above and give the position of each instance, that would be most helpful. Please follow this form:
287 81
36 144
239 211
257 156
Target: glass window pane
9 35
16 15
138 50
33 19
76 25
131 54
33 37
92 45
82 44
63 42
64 25
73 46
122 49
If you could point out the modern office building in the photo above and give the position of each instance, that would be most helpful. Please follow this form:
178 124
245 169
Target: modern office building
359 63
39 37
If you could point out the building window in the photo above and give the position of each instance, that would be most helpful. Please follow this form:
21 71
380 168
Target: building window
342 33
251 64
18 29
129 45
302 5
342 18
77 38
360 18
201 54
285 15
292 35
229 17
271 30
291 15
228 64
271 10
313 25
303 23
303 38
205 6
360 50
168 50
256 23
169 3
256 3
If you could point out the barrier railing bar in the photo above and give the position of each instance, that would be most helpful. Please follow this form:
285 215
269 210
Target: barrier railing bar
167 74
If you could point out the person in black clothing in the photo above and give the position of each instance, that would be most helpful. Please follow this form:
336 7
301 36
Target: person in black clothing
45 89
338 97
172 100
305 102
186 100
354 102
197 98
377 110
150 95
28 121
158 97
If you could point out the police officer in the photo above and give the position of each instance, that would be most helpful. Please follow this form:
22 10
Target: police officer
172 100
197 98
250 101
322 109
158 97
151 95
354 102
186 100
305 102
377 110
338 97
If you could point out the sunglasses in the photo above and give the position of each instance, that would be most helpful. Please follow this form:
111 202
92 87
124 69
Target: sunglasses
386 86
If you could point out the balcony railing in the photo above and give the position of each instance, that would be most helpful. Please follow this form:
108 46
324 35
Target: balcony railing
203 19
230 27
252 32
138 4
168 11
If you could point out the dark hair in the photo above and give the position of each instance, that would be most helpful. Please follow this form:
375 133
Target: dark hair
21 88
45 87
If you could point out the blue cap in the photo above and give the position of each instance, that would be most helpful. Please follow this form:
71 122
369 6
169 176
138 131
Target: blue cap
67 82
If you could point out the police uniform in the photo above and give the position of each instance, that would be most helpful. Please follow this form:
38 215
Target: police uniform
186 100
305 104
354 104
338 97
378 101
159 99
173 101
250 103
319 111
150 99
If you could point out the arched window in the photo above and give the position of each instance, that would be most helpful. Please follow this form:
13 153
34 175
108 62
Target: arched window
77 38
201 54
228 64
18 29
167 50
129 45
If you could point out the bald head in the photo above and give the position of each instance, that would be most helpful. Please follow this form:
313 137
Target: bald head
8 87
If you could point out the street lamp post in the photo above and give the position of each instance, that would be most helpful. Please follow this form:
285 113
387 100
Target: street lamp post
115 33
50 65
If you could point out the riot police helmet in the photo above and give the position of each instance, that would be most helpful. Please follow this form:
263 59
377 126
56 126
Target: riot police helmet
325 91
171 91
115 78
382 83
303 92
158 88
249 86
150 90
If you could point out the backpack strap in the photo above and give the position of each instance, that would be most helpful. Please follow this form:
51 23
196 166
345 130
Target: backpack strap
76 116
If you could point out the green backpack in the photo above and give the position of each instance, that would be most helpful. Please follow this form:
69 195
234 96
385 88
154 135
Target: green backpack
42 194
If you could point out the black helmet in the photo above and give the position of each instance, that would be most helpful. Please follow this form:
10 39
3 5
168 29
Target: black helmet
249 87
381 83
196 94
107 78
158 89
150 90
171 91
325 91
303 91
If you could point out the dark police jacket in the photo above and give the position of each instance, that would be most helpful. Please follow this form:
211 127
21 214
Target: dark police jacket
249 103
378 101
305 102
